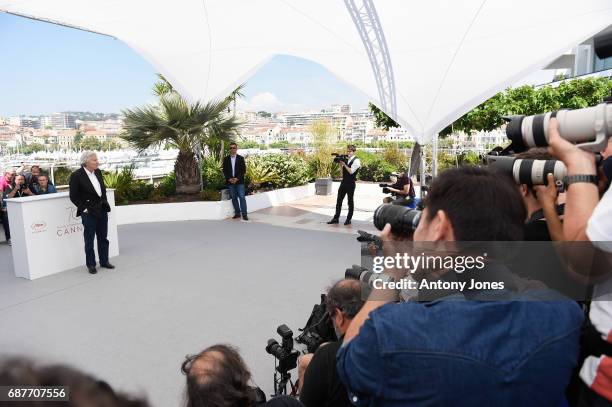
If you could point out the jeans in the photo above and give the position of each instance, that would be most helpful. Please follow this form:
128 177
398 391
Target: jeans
5 225
237 193
345 189
95 227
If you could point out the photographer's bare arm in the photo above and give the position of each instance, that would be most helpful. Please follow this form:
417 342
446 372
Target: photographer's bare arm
378 297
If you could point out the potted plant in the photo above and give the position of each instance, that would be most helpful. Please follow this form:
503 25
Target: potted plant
322 160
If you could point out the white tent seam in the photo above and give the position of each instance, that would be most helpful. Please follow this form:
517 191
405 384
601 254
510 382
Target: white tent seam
452 61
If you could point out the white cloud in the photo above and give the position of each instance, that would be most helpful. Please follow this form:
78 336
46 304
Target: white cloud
268 102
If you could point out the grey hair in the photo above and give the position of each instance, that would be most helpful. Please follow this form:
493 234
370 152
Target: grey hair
85 156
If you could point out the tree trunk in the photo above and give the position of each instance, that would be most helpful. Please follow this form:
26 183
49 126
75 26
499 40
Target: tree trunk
187 174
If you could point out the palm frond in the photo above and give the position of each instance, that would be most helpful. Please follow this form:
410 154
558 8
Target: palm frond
162 87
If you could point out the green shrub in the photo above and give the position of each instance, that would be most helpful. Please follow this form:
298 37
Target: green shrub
61 175
374 167
469 158
210 195
212 174
258 173
167 185
291 169
277 171
395 157
127 189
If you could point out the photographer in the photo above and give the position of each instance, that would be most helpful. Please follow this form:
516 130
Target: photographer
319 381
82 389
588 219
32 177
218 377
402 188
459 349
7 179
88 194
43 186
543 221
347 185
18 189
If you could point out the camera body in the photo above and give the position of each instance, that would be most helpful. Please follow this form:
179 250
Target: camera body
340 157
285 354
318 329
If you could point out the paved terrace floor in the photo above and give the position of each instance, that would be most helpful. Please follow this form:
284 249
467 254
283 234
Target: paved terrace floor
179 287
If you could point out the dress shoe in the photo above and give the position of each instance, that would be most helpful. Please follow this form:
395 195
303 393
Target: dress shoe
92 270
347 222
333 221
235 216
245 217
107 266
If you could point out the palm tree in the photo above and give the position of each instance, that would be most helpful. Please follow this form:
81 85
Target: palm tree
187 127
236 93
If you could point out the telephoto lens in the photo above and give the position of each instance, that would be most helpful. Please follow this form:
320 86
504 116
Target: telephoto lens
590 128
528 171
361 274
403 220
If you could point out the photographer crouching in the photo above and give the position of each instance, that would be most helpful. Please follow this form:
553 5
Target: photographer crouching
218 377
401 188
350 165
319 382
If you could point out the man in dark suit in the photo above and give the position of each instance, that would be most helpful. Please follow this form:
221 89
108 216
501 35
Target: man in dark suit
234 169
88 194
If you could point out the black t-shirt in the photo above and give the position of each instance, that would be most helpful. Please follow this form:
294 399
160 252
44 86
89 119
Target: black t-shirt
401 183
536 230
322 386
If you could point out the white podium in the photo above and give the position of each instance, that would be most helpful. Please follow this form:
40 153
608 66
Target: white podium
47 235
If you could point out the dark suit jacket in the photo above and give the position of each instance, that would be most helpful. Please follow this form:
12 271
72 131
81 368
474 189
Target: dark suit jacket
83 194
240 169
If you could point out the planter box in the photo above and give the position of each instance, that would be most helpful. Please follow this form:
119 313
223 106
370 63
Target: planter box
323 186
207 210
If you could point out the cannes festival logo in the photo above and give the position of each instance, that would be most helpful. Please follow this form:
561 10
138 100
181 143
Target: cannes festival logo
72 225
38 226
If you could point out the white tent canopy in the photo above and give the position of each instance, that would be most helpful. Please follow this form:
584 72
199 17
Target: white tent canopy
425 63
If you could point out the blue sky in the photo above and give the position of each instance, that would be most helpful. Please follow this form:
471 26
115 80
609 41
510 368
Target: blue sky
46 68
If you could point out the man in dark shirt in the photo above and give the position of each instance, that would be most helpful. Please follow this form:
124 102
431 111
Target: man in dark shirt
517 351
234 171
320 385
542 213
402 189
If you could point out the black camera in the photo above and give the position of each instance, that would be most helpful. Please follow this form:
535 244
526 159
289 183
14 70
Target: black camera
318 329
589 128
340 157
285 354
365 237
386 190
403 220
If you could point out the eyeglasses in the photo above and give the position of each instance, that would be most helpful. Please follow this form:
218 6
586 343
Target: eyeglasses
233 148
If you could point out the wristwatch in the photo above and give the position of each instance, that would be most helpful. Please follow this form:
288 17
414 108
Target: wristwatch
573 179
